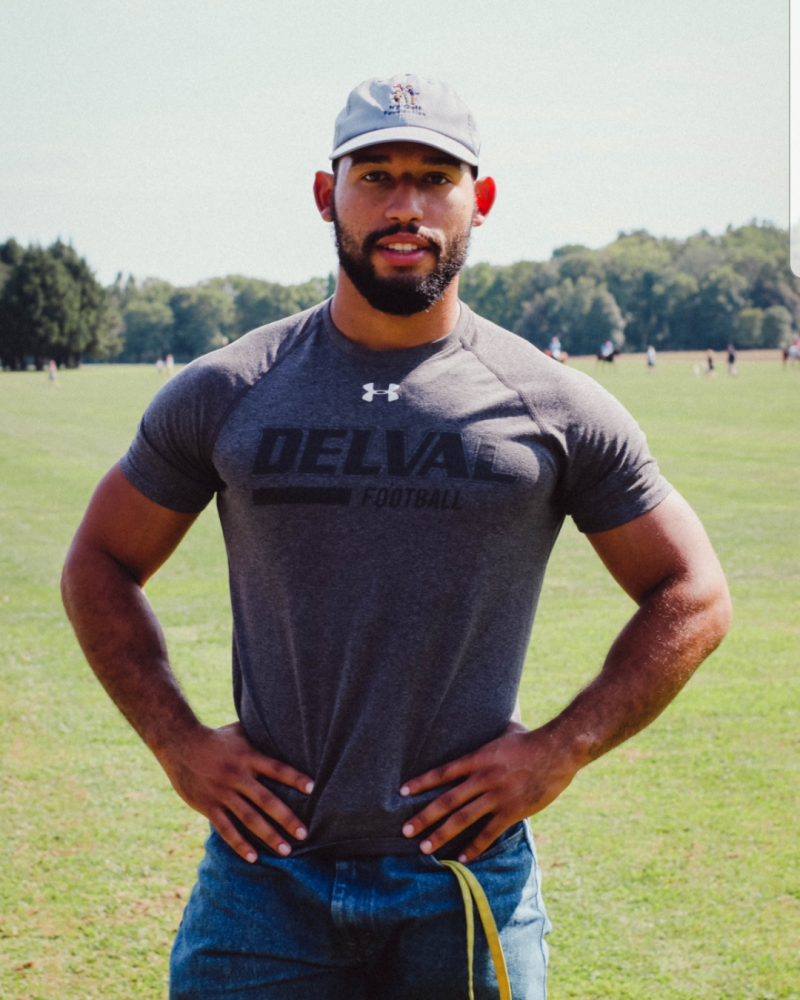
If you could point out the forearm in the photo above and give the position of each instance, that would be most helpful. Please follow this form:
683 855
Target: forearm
653 657
122 541
665 562
124 644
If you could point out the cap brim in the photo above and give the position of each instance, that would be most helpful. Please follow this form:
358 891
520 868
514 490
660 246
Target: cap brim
407 133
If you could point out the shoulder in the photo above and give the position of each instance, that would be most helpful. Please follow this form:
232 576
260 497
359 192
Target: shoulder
242 363
558 396
212 383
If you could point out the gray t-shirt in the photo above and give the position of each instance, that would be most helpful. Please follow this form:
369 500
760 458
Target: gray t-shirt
388 517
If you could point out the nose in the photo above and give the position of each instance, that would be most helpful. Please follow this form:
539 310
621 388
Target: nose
405 204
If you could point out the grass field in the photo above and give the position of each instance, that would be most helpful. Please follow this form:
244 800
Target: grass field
671 866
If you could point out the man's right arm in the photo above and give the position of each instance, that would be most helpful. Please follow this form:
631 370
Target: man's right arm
123 539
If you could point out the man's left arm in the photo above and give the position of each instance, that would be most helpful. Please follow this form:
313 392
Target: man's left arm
665 562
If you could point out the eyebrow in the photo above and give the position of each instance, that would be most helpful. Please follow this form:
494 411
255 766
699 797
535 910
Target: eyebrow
434 159
443 159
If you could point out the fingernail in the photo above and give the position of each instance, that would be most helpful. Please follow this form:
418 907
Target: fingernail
426 847
301 833
284 849
462 858
309 787
408 830
405 790
252 857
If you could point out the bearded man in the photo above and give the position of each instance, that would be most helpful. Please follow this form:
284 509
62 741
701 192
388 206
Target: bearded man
391 472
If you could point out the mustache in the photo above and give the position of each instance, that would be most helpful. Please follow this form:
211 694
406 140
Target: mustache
413 230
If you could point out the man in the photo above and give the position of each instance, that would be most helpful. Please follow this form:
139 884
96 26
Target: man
391 472
732 360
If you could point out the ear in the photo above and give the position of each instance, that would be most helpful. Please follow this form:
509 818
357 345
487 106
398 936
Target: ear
323 193
485 192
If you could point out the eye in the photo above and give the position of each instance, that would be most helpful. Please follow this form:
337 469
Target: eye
374 176
437 179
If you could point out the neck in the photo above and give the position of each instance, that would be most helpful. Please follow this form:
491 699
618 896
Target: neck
358 321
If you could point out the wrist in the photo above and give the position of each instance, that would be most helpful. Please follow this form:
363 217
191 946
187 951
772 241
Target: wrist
177 740
571 746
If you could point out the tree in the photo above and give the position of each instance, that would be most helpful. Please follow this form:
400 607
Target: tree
200 314
146 317
98 325
720 299
39 310
582 314
747 328
603 321
499 293
52 307
259 302
534 324
148 330
10 255
586 264
569 248
673 311
776 327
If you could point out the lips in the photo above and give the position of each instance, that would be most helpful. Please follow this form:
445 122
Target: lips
403 249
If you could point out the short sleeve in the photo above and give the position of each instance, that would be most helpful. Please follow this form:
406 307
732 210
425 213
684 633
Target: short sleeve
611 477
169 460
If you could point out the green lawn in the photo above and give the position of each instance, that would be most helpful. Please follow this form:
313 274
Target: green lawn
671 866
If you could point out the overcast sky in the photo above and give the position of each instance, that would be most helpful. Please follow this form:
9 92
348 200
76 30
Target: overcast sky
179 139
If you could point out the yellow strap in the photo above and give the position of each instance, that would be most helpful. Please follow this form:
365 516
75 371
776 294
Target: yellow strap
467 897
472 889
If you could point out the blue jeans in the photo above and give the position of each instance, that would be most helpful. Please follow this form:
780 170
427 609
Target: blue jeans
376 928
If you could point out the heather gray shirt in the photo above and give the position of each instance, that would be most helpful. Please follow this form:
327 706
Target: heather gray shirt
388 517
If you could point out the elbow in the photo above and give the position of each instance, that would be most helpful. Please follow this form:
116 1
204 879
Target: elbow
83 576
716 608
722 611
69 573
699 598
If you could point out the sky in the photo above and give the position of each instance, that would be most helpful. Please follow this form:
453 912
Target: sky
179 139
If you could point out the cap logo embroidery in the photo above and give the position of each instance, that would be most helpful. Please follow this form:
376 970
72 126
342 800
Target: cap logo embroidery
404 101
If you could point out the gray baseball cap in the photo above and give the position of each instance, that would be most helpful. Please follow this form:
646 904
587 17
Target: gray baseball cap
406 108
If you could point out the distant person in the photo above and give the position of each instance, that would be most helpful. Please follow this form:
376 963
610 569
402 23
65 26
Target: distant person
791 354
607 351
731 361
555 351
160 366
651 358
170 365
391 472
52 372
709 369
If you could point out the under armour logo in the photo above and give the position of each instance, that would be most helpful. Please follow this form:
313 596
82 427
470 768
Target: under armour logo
372 392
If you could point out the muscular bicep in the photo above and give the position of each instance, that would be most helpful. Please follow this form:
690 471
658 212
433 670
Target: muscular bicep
667 543
122 523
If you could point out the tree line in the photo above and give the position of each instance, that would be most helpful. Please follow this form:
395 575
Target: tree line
702 292
159 319
53 308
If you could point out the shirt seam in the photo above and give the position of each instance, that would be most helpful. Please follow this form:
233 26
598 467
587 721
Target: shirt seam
166 461
527 403
306 330
352 353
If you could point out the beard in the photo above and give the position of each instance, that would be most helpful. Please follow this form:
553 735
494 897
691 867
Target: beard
401 295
